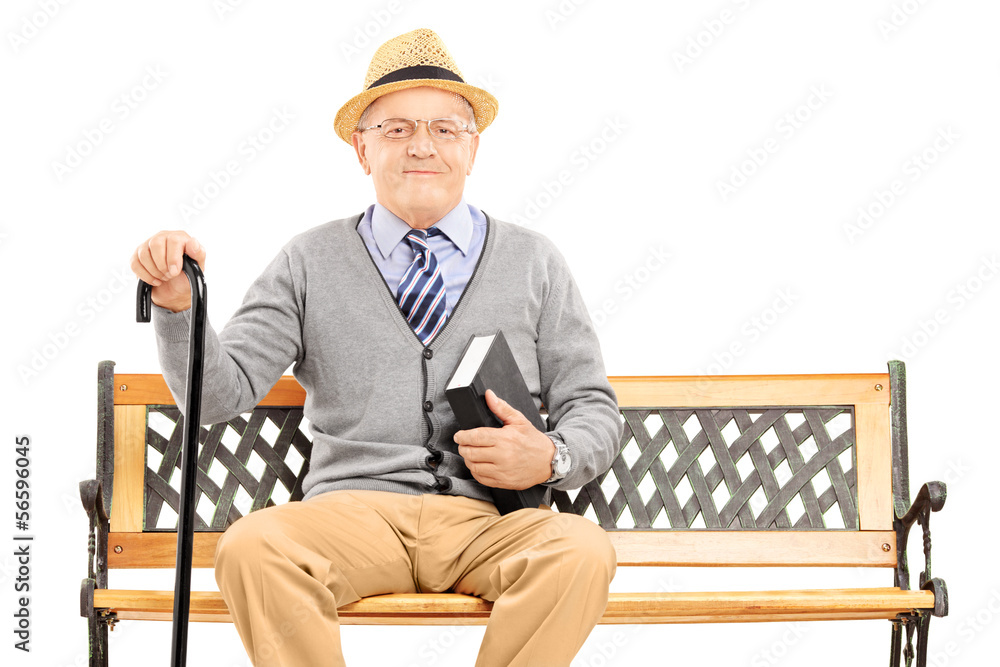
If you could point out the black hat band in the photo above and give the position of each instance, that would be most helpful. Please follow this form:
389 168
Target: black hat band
418 72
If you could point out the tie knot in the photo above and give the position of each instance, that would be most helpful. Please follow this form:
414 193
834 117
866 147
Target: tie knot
424 233
418 237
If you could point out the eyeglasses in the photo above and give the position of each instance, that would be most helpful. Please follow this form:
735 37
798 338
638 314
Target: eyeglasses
444 129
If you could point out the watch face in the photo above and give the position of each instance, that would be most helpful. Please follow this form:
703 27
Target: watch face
562 460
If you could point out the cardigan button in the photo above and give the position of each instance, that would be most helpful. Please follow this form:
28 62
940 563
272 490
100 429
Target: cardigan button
428 353
428 406
434 458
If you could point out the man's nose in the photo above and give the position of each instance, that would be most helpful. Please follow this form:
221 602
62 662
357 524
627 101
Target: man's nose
421 143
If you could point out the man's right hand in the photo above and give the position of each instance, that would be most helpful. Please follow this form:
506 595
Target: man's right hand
159 260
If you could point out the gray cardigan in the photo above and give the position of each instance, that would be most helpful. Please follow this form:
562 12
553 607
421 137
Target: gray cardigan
323 305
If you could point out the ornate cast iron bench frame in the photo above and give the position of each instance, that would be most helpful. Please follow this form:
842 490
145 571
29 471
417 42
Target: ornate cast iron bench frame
768 470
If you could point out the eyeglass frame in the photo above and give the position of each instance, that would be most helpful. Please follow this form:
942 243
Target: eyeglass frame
416 124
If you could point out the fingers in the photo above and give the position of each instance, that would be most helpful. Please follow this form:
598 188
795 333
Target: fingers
477 459
166 251
468 453
173 256
160 258
487 471
159 261
176 247
140 261
196 252
478 437
504 411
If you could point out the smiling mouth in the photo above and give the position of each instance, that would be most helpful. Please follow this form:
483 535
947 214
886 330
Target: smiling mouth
415 171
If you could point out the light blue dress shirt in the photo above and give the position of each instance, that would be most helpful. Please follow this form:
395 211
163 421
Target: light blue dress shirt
457 250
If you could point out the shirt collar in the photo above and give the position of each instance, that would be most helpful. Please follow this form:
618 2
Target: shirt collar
389 230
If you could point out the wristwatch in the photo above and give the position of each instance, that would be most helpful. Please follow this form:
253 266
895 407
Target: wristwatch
560 463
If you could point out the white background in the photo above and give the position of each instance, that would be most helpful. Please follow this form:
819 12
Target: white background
892 77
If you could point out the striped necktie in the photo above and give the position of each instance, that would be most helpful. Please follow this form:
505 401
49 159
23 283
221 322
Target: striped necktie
421 294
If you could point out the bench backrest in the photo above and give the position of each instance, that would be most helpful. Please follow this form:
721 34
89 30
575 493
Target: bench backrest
712 470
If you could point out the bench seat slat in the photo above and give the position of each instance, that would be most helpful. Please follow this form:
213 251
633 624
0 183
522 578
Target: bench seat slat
455 609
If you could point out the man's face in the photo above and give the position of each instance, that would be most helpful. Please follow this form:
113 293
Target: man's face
418 178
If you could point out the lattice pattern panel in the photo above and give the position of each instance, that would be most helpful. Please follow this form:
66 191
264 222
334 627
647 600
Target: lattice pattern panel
783 468
253 461
710 468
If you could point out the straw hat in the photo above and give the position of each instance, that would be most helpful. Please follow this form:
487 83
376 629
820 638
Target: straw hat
418 58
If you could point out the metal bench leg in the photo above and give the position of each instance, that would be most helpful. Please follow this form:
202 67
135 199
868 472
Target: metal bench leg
908 650
92 496
896 643
98 644
923 627
908 623
97 629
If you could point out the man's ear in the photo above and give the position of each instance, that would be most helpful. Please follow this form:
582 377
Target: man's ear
473 146
358 141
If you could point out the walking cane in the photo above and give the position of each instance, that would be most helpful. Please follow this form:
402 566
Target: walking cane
189 450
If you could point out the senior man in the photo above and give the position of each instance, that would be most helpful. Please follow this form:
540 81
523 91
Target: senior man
373 312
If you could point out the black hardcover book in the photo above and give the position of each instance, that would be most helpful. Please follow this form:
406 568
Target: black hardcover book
487 363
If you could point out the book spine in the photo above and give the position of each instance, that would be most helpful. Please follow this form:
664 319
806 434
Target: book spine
469 406
486 417
463 404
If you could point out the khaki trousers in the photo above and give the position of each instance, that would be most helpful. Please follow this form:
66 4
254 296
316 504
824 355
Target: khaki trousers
285 570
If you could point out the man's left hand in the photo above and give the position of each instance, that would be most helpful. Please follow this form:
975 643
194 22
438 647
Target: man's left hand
515 456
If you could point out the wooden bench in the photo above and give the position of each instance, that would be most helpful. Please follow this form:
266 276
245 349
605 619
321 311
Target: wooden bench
768 470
